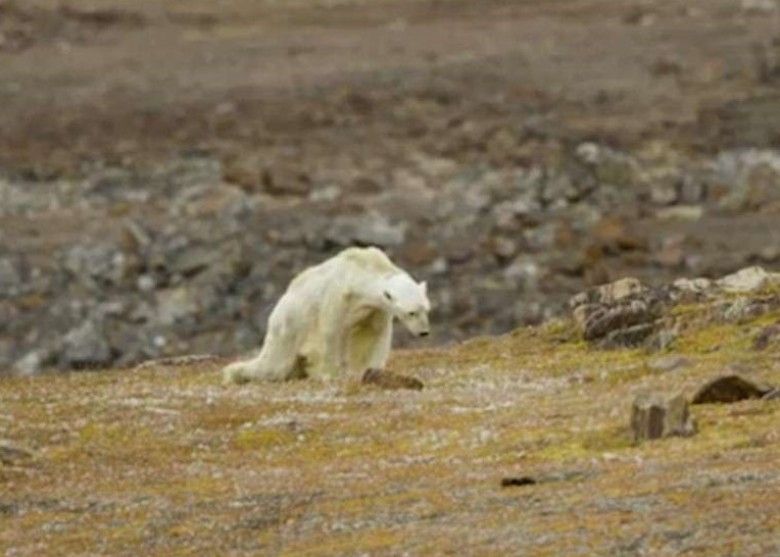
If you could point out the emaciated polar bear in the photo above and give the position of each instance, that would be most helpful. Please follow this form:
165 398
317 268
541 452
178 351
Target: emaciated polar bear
337 317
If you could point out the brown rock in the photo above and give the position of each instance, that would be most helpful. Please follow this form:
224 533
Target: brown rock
251 173
614 234
391 381
622 313
517 481
654 416
728 388
665 65
503 247
671 254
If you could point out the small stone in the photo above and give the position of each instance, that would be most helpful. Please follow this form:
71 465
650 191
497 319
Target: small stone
689 213
759 6
666 65
671 254
615 234
525 272
695 286
86 346
31 363
10 277
439 266
366 230
176 305
192 259
391 381
669 363
146 283
627 336
326 193
11 454
654 416
727 389
135 237
517 481
609 166
96 264
620 289
504 247
664 190
766 336
608 319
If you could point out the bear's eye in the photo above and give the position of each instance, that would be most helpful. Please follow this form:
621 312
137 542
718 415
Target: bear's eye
388 296
412 313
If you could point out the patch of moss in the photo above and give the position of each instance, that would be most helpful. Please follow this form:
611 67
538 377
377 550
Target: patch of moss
252 439
585 445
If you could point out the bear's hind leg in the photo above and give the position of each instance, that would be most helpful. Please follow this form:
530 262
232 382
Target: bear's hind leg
278 361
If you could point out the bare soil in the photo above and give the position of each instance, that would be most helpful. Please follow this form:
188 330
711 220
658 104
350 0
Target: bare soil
89 80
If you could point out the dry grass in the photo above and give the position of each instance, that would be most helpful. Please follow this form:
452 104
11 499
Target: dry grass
168 462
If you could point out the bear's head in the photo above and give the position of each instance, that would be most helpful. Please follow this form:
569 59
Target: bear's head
408 301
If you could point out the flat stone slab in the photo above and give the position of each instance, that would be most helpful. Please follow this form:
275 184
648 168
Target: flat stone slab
727 389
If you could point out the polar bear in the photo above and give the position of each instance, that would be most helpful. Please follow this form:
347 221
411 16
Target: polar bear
336 318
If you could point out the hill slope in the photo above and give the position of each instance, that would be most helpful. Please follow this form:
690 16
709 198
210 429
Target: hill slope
167 461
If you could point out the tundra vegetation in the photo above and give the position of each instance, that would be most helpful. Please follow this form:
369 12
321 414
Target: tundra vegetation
167 460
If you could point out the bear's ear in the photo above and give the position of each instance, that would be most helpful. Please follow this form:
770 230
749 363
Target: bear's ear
388 296
424 286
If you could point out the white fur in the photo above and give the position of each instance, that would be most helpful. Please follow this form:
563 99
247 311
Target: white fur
335 318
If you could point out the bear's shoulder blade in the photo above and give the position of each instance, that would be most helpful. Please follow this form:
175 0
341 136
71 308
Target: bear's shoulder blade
370 258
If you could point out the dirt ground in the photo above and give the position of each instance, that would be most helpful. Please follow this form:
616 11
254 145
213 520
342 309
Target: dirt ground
82 80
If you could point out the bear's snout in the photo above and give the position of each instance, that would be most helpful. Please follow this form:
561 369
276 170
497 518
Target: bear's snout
424 333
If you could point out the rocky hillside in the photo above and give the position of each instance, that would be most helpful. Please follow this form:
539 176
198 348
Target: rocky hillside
518 444
198 251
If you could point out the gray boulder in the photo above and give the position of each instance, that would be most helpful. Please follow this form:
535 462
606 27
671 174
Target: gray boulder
86 346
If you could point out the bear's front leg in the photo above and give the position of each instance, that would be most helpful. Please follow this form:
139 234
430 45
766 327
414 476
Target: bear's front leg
369 343
381 349
333 359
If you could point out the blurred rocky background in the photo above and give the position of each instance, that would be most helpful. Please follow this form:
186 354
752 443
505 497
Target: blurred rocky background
167 167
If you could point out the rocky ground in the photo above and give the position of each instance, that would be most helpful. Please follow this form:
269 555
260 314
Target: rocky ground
518 444
166 168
